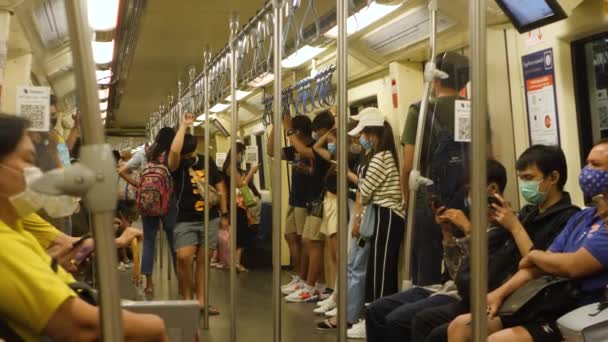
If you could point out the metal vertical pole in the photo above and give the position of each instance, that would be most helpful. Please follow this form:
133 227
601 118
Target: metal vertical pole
414 178
234 26
102 210
277 167
342 68
207 58
479 152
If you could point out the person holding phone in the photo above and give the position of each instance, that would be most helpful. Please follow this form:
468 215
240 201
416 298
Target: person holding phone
542 173
390 318
579 252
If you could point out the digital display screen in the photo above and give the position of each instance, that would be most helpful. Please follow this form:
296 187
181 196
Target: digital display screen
527 15
526 12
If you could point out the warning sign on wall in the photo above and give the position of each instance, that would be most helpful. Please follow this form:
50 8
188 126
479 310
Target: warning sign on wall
541 100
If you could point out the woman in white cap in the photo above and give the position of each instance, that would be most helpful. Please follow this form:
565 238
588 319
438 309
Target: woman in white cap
381 189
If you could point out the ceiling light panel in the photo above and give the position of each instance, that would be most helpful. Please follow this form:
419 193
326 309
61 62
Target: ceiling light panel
104 93
103 76
103 14
103 52
303 55
239 95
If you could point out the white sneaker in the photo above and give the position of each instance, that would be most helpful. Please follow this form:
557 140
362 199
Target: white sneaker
293 287
332 313
294 280
326 301
357 331
329 305
303 295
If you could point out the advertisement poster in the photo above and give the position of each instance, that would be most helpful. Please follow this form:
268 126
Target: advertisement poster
251 155
33 103
541 100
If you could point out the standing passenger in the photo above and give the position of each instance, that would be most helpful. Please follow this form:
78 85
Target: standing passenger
442 160
303 229
381 188
157 154
244 234
188 167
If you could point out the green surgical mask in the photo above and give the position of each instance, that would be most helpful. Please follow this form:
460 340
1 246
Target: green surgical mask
530 191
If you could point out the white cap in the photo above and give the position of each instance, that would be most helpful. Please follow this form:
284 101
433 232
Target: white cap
369 117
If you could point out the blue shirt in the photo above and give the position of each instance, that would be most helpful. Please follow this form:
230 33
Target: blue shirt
586 230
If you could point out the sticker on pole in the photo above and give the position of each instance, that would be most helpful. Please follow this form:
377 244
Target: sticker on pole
462 121
251 155
33 103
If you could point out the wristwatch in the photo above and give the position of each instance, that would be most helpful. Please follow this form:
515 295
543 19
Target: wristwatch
290 132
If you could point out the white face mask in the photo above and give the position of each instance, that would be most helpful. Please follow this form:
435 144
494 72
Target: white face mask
29 201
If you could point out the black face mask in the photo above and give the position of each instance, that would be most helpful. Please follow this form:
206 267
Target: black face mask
54 122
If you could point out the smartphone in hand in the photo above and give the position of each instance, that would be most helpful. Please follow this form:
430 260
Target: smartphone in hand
493 200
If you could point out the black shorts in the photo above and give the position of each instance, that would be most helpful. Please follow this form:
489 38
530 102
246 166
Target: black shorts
541 330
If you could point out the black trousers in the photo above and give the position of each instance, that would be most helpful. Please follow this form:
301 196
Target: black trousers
431 325
427 253
383 263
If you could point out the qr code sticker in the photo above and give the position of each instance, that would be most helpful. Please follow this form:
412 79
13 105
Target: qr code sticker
464 129
34 113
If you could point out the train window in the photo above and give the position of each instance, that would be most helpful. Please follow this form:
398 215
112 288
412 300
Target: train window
358 106
590 65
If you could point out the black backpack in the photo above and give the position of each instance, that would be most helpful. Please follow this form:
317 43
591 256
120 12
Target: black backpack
445 161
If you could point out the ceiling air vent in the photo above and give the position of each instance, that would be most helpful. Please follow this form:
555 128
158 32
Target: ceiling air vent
51 23
405 30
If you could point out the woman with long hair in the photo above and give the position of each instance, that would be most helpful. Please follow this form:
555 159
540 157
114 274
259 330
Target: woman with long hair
381 189
244 233
157 154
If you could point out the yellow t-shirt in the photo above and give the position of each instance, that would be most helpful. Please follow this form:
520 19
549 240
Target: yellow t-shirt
31 291
42 230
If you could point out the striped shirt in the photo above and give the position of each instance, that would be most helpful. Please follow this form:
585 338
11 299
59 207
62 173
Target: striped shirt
382 185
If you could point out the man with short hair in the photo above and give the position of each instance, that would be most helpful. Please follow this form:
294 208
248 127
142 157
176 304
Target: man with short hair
579 252
443 160
53 152
542 173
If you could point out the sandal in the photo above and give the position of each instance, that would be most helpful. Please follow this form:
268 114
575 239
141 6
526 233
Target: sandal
212 311
241 269
326 325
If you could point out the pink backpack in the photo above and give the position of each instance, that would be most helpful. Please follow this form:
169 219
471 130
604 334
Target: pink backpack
155 190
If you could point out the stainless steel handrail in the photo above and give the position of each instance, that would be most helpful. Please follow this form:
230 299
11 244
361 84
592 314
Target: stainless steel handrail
234 27
342 93
97 156
277 171
479 153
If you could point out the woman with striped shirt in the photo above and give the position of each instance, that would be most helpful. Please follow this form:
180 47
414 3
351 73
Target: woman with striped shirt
381 188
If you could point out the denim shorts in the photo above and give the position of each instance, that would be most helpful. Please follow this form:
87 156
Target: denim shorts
191 234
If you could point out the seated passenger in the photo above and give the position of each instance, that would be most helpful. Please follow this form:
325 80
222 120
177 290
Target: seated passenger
390 318
580 252
35 299
542 173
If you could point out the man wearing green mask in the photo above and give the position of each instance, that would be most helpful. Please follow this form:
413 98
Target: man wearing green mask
542 174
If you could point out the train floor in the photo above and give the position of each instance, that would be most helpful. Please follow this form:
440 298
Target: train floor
254 311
